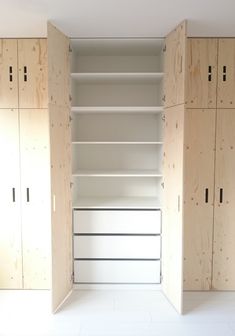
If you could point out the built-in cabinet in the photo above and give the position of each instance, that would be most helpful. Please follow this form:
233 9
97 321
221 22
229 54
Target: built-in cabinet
25 168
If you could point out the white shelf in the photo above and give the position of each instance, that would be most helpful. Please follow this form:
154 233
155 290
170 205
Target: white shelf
116 76
116 173
117 203
117 143
115 109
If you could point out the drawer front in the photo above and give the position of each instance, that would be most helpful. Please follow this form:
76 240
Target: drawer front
108 247
117 221
105 271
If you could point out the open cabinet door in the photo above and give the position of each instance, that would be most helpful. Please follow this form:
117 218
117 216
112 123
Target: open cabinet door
172 227
60 143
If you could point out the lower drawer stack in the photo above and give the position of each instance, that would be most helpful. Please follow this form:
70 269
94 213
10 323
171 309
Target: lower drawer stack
117 246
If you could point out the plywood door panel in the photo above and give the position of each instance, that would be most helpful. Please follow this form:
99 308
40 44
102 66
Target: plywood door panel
224 222
199 157
175 66
172 217
10 219
8 73
60 144
201 73
32 54
35 197
226 71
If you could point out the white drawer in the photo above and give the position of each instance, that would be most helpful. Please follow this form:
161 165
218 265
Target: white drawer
106 271
130 247
117 221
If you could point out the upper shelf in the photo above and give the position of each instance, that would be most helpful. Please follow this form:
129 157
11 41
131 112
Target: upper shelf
116 173
117 109
117 46
149 77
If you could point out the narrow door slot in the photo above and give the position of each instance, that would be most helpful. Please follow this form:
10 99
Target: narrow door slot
25 74
206 195
224 73
27 193
221 195
10 74
13 195
209 73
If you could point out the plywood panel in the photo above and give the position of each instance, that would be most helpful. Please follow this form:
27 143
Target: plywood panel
175 66
60 139
172 226
199 158
32 54
224 224
201 73
226 70
8 73
58 67
10 219
35 197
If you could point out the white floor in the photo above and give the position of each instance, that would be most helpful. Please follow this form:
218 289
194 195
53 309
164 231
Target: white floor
109 313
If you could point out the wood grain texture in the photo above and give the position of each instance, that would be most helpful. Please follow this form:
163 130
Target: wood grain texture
58 68
60 144
226 86
175 66
199 155
224 224
201 73
8 76
172 218
32 54
10 216
35 175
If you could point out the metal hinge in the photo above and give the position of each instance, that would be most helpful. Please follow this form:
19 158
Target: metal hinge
164 48
70 98
163 117
162 184
70 48
164 98
70 118
71 185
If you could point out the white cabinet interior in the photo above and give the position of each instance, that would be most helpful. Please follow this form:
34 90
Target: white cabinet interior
116 156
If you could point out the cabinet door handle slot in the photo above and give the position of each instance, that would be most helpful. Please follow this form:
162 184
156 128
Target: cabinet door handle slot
221 195
206 195
10 74
224 73
209 73
27 194
25 74
13 195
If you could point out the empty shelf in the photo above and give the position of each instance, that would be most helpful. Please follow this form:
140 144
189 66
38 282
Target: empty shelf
117 109
117 203
117 76
103 173
117 142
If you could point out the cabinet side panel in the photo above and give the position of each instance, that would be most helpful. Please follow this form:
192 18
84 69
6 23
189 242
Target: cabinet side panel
199 156
60 138
172 227
175 66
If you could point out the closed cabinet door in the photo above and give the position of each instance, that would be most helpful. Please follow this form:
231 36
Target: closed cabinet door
8 73
35 187
226 73
224 223
10 219
201 73
32 58
199 157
